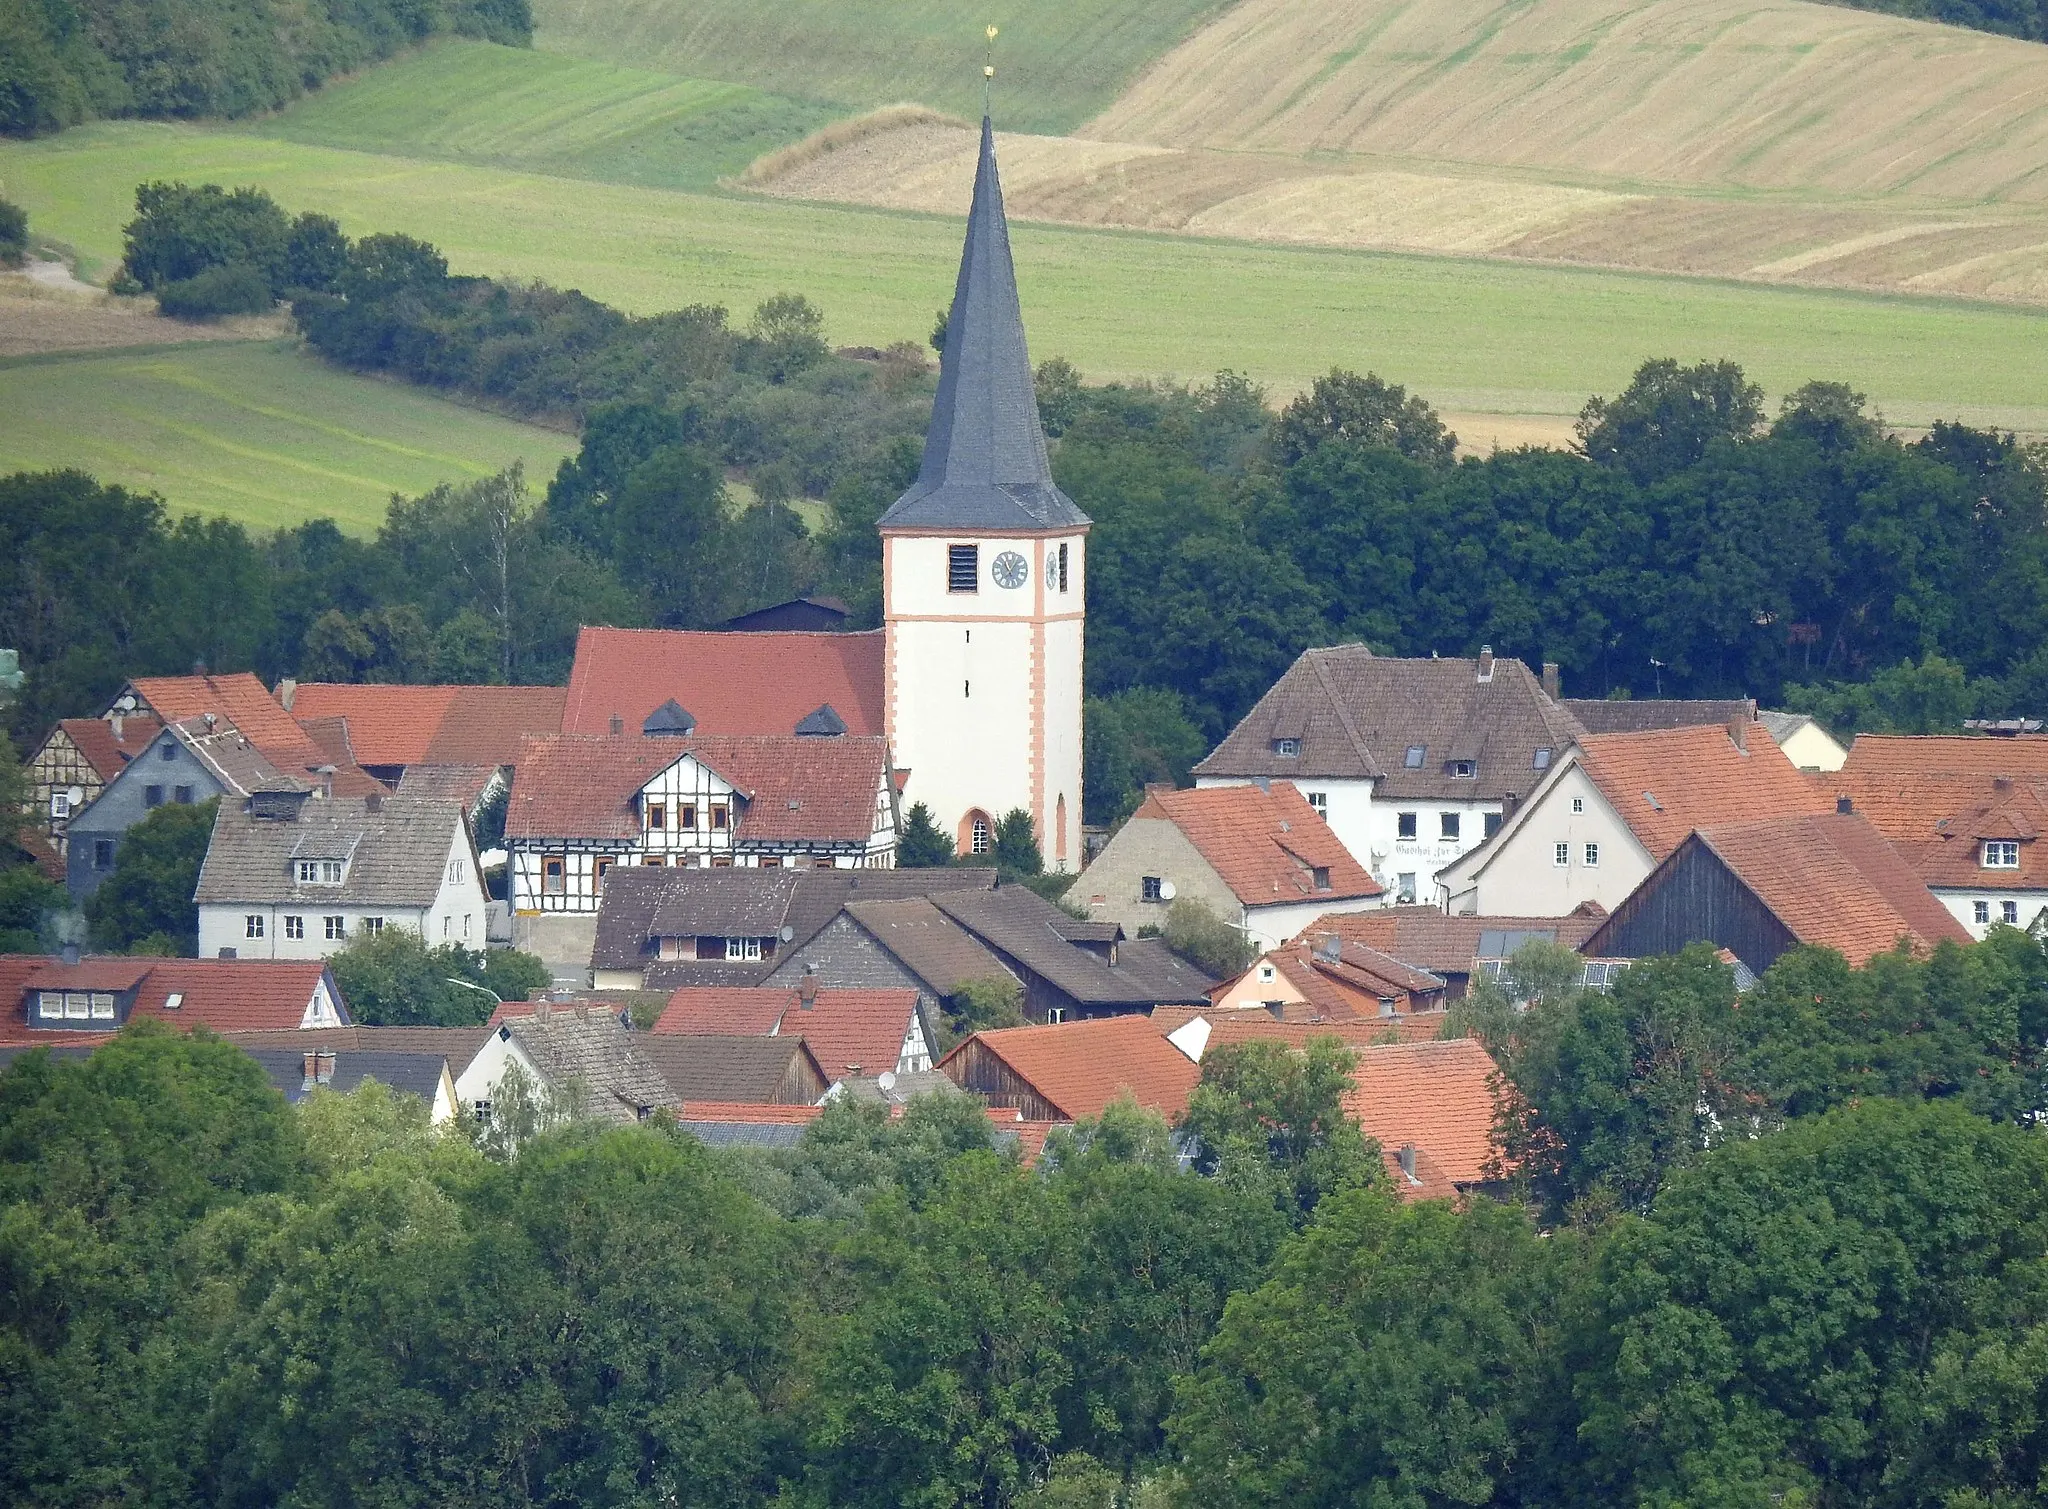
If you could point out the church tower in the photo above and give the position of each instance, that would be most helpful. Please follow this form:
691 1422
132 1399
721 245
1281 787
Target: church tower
984 576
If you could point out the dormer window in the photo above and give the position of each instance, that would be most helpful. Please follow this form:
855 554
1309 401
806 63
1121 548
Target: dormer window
2001 854
1287 749
318 871
1417 753
1463 770
1320 875
75 1005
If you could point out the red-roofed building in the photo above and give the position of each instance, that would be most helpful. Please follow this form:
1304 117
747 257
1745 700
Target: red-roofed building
75 763
67 1004
1437 1098
1074 1070
1615 805
756 685
392 728
583 804
853 1033
1261 859
1759 888
240 701
1320 977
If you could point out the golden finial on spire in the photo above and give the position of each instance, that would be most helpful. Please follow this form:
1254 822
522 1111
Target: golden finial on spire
988 69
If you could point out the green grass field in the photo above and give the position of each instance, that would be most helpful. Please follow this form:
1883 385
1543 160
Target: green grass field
512 107
261 432
1058 62
1479 336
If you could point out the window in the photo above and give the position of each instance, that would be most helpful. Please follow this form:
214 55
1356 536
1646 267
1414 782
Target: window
1983 912
60 804
966 689
1541 759
182 795
103 854
152 796
598 871
554 876
1151 888
447 927
167 750
2009 913
743 948
455 871
1578 804
1319 876
1404 888
1054 1015
686 816
1063 566
2001 854
295 927
1319 803
1416 753
102 1006
1463 770
319 871
1404 825
373 925
1287 749
50 1005
979 839
721 861
465 923
1561 855
252 925
1592 854
657 817
721 815
1492 823
481 1110
337 928
1448 825
963 568
655 861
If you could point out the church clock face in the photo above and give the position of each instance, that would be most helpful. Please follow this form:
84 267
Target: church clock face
1010 570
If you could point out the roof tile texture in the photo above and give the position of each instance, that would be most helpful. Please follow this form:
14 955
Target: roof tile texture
1265 845
1081 1067
105 753
226 995
1666 782
1437 1095
844 1028
731 683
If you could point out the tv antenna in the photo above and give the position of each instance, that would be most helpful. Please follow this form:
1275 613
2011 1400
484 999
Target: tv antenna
1658 666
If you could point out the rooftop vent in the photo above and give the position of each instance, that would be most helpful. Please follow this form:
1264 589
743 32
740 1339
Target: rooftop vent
1651 798
1844 806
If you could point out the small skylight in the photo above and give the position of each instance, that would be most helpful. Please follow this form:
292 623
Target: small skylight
1416 754
174 1000
1541 759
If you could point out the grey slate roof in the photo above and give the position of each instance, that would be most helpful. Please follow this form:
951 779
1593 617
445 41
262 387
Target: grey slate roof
1631 715
984 456
1024 927
594 1049
396 855
929 943
771 1134
234 761
747 1070
1162 971
822 722
1783 726
456 1044
411 1073
1357 714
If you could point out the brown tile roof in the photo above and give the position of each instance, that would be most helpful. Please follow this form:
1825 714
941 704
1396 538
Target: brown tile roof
844 1027
1437 1095
456 1044
1265 845
1428 1182
1835 882
95 740
595 1049
746 1113
929 943
1430 939
34 845
1035 936
1357 714
1940 821
730 1068
1245 1024
1667 782
241 700
1027 1137
1631 715
433 725
731 683
461 784
226 995
1081 1067
583 786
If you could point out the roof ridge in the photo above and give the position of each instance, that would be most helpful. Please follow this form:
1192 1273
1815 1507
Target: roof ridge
1344 719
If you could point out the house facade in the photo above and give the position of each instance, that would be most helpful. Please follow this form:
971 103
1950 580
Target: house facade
288 876
75 763
1411 762
83 1001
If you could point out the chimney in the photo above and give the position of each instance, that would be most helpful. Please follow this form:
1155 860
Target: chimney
287 693
70 954
1738 732
326 774
1329 948
543 1011
1486 662
1407 1156
2001 784
374 802
807 989
312 1071
210 721
323 1068
116 721
1844 806
1553 680
618 725
1509 801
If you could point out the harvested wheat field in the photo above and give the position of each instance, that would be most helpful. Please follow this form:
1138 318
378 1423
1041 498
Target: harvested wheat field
37 318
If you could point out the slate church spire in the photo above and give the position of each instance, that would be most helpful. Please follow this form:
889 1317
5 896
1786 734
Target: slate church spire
984 456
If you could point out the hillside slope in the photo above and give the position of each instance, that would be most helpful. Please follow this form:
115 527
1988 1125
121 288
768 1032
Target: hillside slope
1761 94
1060 61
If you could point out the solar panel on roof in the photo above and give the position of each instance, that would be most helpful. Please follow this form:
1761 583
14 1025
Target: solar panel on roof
1501 943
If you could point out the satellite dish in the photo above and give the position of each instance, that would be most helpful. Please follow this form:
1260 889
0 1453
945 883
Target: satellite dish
886 1080
787 933
76 796
1167 890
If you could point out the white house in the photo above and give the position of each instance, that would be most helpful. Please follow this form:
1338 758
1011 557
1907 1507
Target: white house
1260 858
1806 744
286 877
582 805
579 1060
1612 807
1412 762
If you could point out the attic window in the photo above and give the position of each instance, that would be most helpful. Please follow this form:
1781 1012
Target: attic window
1287 749
2001 854
963 568
318 871
1541 759
1415 756
1320 874
1463 770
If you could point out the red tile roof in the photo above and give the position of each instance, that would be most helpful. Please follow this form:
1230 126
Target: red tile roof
580 786
1244 1024
731 683
107 755
1428 1182
33 842
1265 845
1668 781
1944 754
227 995
1939 819
433 725
1835 882
1081 1067
844 1028
1030 1135
1438 1096
747 1114
241 700
1431 939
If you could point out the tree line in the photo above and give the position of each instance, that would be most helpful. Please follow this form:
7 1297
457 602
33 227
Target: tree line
1831 1290
66 61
